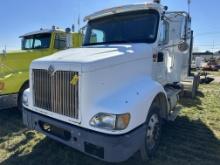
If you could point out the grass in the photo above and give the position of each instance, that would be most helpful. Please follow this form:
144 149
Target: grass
194 138
214 73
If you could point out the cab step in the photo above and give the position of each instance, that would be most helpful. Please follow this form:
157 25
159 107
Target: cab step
174 113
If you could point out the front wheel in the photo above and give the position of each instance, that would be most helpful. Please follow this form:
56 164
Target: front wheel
20 96
152 134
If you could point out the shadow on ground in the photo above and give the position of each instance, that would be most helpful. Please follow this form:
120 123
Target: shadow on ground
188 101
10 122
184 142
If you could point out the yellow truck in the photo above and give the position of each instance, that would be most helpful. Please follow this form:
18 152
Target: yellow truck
14 65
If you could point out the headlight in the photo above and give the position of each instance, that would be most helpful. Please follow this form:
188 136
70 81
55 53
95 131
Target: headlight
25 99
110 121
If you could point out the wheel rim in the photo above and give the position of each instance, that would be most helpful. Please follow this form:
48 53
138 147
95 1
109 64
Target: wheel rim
153 132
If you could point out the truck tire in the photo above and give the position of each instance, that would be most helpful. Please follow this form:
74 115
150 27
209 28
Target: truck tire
20 95
153 133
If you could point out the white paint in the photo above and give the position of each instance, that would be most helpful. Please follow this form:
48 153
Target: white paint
119 78
123 9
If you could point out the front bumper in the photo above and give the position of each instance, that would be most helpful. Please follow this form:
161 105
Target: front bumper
110 148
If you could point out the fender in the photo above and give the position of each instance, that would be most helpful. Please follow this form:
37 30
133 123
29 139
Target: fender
135 98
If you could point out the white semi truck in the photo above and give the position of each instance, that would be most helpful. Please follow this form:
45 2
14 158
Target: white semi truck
108 98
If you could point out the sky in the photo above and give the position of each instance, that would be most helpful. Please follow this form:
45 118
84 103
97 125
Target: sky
21 16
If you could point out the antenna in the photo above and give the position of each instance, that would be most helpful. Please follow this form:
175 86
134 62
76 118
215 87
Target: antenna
79 22
5 50
189 3
79 18
213 46
73 28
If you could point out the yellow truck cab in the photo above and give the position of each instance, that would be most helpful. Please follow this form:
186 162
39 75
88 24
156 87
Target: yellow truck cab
14 65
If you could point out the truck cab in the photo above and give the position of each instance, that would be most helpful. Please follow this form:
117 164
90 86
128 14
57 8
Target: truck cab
108 99
14 65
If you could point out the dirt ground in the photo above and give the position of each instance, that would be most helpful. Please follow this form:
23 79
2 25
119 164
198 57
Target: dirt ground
217 79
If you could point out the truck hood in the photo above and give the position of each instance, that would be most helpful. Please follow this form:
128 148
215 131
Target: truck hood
20 52
12 62
20 60
13 52
92 58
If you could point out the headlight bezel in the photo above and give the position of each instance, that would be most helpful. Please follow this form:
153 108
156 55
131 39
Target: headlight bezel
119 121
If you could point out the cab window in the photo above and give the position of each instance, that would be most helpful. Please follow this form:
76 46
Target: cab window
28 43
60 41
130 27
38 41
97 36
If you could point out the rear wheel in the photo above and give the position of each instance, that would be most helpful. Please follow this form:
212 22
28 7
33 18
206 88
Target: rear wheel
153 133
20 95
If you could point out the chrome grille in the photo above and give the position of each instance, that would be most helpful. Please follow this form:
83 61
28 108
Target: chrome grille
55 93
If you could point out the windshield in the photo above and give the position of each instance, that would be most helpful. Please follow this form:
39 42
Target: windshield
132 27
38 41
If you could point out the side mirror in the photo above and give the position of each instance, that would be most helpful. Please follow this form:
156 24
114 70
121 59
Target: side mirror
73 28
83 29
185 30
83 32
22 44
165 8
183 46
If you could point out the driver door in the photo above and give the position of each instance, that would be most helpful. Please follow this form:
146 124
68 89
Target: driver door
163 54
